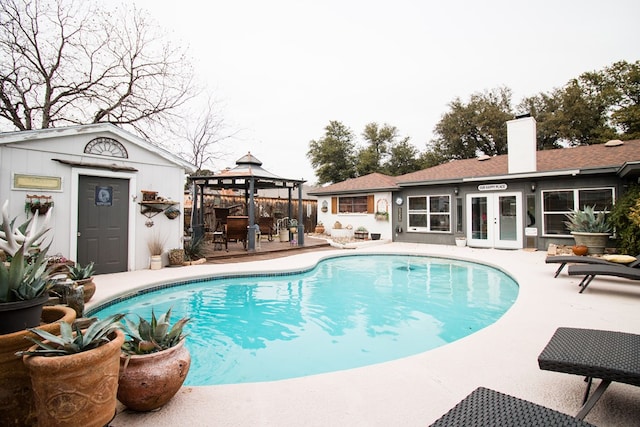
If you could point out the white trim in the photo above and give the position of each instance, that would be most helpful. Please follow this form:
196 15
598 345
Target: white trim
73 224
572 172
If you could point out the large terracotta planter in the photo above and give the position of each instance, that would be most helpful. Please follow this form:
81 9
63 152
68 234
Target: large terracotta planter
78 389
149 381
16 397
20 315
89 288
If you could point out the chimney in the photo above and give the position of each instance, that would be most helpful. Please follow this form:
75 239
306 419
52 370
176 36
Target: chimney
521 144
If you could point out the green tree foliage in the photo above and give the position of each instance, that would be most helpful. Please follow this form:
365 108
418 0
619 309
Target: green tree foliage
476 127
333 156
378 142
625 218
403 158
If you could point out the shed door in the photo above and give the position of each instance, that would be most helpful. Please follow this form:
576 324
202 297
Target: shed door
103 212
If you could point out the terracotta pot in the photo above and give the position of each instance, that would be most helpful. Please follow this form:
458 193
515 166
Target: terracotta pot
319 229
89 288
149 381
20 315
580 250
16 396
78 389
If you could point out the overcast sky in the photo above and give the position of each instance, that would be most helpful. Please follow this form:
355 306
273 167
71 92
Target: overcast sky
281 70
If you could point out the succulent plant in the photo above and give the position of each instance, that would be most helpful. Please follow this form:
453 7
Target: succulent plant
146 337
587 220
70 341
78 272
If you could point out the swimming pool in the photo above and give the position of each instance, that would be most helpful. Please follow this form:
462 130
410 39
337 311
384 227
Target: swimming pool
347 312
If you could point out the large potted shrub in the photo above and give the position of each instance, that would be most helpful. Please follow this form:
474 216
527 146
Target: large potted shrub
625 218
74 376
589 228
154 362
25 279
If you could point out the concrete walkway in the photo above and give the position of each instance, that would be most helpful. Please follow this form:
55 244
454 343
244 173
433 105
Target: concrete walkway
416 390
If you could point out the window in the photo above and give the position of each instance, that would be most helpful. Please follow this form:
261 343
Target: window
352 204
429 213
557 203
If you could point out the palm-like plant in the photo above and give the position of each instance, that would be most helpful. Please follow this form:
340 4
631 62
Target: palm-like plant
78 272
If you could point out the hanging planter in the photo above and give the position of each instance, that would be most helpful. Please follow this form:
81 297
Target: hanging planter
40 204
172 212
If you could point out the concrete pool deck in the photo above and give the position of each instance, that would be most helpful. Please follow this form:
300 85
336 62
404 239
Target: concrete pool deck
416 390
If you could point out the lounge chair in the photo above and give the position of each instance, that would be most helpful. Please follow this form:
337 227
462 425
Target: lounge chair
565 259
607 355
490 408
591 271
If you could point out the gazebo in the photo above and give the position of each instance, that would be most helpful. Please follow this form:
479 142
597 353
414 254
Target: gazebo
249 176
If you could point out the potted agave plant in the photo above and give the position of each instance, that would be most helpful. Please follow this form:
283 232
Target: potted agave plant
589 228
154 362
24 280
83 276
74 375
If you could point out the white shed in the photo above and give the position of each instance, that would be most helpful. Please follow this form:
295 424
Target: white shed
94 175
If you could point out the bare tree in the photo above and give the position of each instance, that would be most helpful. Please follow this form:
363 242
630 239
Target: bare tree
68 62
201 139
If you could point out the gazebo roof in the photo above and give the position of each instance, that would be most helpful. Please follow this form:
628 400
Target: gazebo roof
247 168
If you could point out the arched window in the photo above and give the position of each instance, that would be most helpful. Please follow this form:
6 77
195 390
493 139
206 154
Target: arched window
106 147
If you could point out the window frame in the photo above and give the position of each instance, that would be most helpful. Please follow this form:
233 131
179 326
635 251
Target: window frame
368 200
576 205
429 214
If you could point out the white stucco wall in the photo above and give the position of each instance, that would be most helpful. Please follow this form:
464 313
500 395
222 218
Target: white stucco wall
356 220
153 172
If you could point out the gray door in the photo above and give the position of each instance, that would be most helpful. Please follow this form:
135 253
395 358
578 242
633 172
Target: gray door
103 223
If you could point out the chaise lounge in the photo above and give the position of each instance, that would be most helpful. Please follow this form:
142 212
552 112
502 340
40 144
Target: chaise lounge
490 408
566 259
607 355
591 271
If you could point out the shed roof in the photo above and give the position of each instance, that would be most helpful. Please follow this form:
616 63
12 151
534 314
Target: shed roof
43 134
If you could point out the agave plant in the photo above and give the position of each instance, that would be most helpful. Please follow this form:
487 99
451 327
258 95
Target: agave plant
25 278
78 272
587 221
72 339
146 337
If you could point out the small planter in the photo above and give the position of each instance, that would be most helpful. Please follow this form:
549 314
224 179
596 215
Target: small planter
284 235
149 381
461 241
176 257
156 262
580 250
319 229
375 236
361 235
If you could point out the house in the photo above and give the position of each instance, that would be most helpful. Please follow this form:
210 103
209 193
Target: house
95 176
509 201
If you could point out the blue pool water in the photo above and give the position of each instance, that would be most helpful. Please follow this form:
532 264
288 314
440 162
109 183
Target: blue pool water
347 312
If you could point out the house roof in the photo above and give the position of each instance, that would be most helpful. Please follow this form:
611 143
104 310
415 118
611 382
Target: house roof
373 181
584 159
587 159
42 134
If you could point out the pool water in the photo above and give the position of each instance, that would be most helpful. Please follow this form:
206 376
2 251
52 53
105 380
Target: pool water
348 312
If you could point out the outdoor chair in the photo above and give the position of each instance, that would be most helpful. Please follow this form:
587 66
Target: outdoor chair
267 225
490 408
566 259
591 271
607 355
236 230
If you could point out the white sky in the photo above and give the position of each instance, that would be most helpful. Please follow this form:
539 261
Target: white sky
283 69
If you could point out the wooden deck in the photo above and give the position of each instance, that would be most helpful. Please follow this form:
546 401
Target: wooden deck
267 250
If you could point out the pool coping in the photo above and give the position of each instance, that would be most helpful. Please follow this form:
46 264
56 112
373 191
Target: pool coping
417 389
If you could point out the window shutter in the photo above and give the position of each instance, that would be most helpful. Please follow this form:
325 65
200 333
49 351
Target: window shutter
370 203
334 205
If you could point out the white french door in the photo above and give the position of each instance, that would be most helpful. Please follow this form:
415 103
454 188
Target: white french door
494 220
